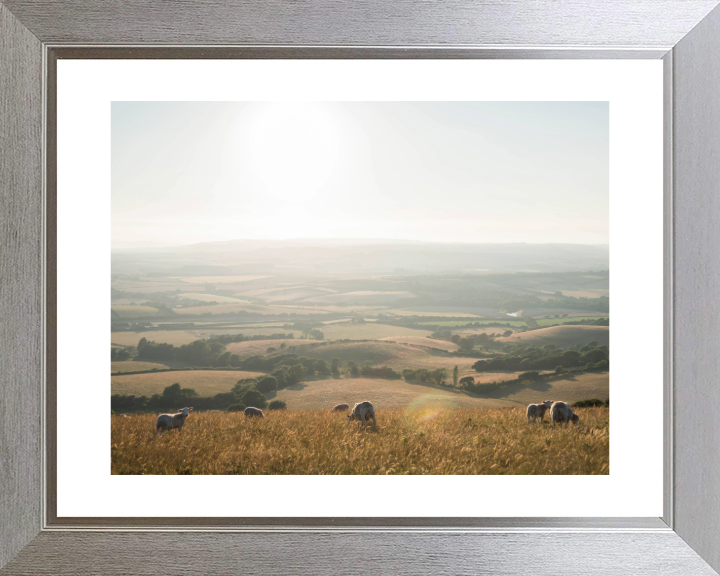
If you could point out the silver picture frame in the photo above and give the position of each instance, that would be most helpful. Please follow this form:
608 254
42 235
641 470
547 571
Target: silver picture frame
685 34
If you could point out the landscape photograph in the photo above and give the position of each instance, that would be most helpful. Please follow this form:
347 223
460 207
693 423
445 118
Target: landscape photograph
360 288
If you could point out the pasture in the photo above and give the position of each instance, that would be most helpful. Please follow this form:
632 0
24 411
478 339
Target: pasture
369 331
135 311
204 382
138 365
561 336
253 347
175 337
422 440
319 394
396 356
424 342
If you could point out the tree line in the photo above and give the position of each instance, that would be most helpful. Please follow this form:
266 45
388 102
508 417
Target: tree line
549 357
210 352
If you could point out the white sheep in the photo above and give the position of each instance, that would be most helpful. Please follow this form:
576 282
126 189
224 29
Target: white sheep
251 412
170 421
538 410
362 411
561 412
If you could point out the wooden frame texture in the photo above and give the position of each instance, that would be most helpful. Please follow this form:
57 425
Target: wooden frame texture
684 33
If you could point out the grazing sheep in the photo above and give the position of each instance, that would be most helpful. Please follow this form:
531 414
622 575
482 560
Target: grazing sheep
361 412
251 412
341 408
561 412
170 421
538 410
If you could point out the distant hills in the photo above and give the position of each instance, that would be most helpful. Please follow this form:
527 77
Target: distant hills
362 256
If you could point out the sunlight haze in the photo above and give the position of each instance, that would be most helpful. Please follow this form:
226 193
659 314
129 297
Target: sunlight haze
465 172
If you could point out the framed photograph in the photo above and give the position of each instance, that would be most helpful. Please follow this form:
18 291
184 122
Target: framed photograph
359 282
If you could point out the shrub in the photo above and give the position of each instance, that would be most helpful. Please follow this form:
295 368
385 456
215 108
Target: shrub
529 377
254 398
602 365
236 408
559 370
467 381
277 405
588 403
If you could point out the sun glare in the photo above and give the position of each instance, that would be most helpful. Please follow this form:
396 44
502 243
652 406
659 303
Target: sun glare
290 148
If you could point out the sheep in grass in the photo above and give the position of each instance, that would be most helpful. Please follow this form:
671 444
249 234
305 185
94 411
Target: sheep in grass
363 411
170 421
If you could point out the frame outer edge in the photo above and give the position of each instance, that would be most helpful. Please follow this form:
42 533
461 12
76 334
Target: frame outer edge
20 285
371 22
696 139
668 295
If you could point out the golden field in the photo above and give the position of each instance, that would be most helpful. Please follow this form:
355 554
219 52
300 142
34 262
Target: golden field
426 440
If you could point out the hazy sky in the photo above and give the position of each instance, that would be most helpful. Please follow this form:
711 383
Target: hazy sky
186 172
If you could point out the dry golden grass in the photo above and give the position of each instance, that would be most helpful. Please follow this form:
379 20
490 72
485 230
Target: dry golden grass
135 366
561 336
369 331
135 311
253 347
204 382
218 279
256 308
384 394
422 341
175 337
425 441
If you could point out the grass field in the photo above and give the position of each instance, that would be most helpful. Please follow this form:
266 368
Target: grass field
253 347
425 440
233 307
204 382
324 394
138 365
176 337
425 342
368 331
135 311
218 279
558 321
396 356
384 394
561 336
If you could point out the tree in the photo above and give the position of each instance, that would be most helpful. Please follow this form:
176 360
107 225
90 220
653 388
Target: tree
455 376
466 344
467 381
221 400
282 346
277 405
352 368
559 370
455 338
316 334
296 373
438 375
507 333
254 398
271 350
267 384
335 366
